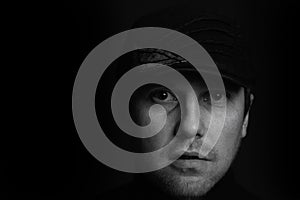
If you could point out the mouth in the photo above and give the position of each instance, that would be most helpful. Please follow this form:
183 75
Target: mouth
193 156
191 164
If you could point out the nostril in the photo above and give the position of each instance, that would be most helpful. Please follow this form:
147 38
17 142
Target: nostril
198 135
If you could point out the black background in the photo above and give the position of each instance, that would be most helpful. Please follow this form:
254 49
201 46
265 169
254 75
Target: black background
47 44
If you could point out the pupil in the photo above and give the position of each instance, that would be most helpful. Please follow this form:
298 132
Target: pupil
163 95
217 96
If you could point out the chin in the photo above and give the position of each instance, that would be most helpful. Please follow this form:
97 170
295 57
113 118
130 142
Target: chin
190 187
185 186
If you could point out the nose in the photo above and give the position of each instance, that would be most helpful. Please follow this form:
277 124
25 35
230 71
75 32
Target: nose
190 116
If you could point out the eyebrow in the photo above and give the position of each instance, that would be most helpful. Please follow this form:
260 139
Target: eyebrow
193 75
190 73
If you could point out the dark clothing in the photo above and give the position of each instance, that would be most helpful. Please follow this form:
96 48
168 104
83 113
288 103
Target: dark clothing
226 188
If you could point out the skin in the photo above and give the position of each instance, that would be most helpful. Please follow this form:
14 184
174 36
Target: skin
182 180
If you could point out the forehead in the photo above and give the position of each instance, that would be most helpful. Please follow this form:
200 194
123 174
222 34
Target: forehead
196 79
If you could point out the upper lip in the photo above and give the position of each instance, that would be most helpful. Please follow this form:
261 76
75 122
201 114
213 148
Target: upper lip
193 155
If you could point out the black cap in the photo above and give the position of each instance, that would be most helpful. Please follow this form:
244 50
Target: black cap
220 36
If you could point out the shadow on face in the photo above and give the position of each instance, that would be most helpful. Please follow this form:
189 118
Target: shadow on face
190 174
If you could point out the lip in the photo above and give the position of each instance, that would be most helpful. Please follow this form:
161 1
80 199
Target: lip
191 163
182 163
190 168
194 155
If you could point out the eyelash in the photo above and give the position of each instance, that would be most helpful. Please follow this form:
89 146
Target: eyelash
157 100
205 97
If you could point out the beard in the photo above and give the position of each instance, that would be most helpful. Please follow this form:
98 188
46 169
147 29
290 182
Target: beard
179 186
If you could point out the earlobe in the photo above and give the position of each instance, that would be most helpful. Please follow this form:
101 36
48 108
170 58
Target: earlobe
246 119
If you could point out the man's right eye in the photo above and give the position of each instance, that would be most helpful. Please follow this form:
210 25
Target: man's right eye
163 96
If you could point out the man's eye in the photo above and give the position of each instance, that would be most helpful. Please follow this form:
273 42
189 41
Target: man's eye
163 96
215 97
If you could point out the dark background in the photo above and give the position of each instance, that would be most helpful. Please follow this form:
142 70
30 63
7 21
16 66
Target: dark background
50 41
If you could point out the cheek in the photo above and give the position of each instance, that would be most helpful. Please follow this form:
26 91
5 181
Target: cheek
140 113
231 134
230 137
166 134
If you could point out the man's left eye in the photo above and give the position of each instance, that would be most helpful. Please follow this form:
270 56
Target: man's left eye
215 97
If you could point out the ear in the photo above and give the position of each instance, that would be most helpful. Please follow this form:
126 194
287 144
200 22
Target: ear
246 119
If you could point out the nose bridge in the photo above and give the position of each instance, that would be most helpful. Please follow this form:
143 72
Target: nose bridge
191 116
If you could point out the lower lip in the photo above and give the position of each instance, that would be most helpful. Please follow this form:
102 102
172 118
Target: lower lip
181 163
190 167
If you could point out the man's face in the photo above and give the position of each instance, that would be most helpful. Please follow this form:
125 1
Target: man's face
189 175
